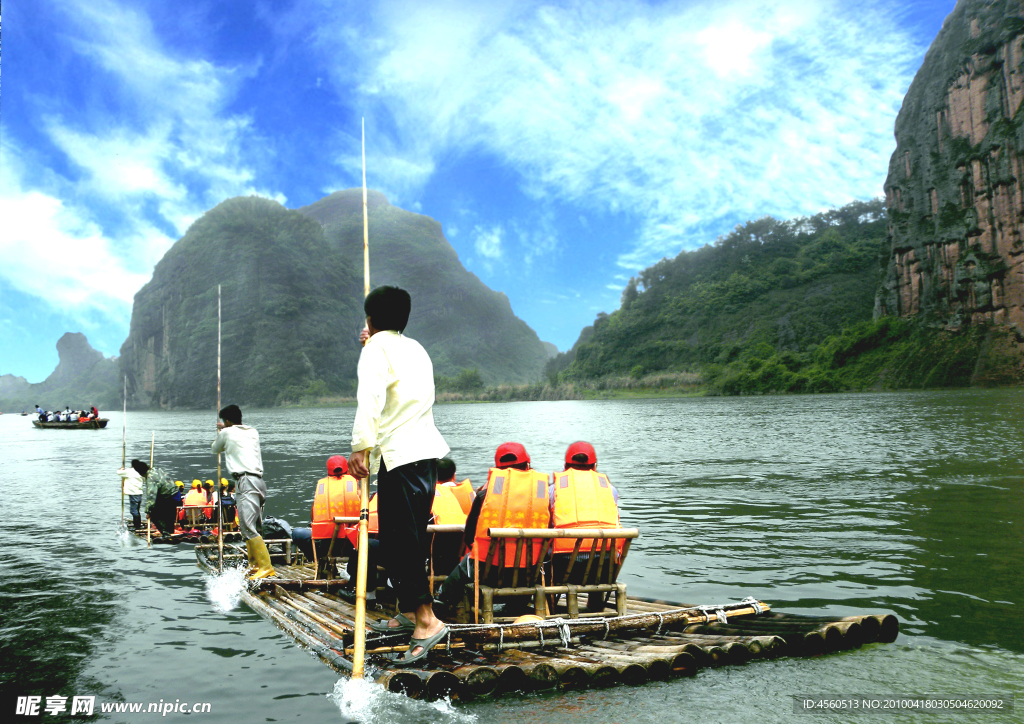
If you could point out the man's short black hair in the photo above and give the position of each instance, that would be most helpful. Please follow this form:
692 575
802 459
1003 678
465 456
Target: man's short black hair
140 467
445 469
231 414
388 308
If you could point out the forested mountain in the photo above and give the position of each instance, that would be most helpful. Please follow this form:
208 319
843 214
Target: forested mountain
784 284
462 323
292 305
291 309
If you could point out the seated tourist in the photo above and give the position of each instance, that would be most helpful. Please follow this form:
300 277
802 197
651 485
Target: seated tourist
581 497
229 504
196 497
463 491
515 496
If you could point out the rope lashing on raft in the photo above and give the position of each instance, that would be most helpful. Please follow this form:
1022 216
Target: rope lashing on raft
564 626
751 601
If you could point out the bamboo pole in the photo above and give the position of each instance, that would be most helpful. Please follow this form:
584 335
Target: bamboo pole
149 518
359 650
217 487
124 441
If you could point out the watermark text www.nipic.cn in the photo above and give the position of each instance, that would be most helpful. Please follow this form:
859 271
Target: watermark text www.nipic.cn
38 706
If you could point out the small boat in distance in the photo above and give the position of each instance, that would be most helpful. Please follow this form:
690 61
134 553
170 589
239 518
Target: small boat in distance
88 425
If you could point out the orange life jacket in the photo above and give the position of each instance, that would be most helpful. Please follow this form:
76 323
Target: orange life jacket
334 497
195 497
446 507
372 524
465 494
515 499
583 499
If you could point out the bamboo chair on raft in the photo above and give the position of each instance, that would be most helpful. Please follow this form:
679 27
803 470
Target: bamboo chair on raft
600 552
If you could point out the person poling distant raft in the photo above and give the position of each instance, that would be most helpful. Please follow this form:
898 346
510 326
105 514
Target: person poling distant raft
131 485
160 497
241 447
394 435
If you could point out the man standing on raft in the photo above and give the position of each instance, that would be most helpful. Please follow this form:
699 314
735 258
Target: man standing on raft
394 435
244 460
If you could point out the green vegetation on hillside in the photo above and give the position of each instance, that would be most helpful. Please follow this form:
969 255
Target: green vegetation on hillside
768 285
886 353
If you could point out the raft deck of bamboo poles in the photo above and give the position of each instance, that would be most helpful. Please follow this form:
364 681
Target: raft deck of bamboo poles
655 640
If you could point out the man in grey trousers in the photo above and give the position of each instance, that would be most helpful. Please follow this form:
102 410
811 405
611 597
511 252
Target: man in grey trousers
243 459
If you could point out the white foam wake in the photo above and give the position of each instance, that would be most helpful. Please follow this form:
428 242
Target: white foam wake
225 589
362 701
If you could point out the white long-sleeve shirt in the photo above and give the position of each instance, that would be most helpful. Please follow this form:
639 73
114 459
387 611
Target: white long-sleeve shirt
131 481
395 396
241 447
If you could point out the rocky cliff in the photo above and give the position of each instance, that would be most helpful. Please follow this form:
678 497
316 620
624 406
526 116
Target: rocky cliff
289 313
956 179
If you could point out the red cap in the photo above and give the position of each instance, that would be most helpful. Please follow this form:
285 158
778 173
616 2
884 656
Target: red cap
580 453
510 448
334 462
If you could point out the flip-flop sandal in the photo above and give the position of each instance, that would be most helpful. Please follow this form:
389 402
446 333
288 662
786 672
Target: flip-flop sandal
404 625
427 644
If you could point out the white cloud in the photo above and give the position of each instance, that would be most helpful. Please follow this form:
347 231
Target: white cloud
682 114
49 251
488 242
157 152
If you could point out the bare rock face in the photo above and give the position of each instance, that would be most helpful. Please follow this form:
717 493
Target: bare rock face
955 189
76 356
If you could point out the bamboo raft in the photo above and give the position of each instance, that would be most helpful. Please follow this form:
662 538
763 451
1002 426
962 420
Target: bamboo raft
654 640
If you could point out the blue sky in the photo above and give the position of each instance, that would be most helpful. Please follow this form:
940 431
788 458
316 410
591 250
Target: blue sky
563 146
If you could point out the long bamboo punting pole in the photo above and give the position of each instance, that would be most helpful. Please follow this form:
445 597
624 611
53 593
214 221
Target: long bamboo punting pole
359 650
149 518
217 487
124 440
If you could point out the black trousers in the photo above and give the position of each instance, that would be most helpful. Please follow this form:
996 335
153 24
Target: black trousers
163 514
403 512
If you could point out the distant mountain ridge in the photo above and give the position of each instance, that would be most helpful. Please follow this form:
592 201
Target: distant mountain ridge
83 377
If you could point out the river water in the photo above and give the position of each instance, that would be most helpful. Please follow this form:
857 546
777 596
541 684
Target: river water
909 503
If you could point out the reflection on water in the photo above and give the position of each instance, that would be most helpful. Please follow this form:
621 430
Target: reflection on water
909 503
